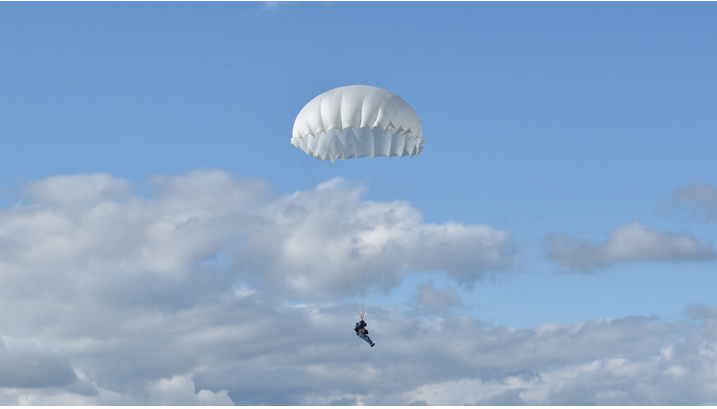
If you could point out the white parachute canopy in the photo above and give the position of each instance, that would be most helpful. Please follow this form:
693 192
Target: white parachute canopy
357 121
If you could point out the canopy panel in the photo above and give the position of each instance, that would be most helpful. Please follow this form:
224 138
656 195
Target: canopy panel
357 121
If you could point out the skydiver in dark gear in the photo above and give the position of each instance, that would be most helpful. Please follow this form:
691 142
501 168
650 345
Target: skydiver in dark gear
362 332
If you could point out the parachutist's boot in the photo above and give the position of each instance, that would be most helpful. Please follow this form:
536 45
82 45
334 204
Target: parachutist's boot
373 344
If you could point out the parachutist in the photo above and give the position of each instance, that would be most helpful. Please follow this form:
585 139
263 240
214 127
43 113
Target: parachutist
362 332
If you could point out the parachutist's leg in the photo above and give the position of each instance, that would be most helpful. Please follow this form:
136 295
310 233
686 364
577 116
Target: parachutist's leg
366 338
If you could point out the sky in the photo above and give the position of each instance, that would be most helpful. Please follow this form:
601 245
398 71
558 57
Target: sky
162 242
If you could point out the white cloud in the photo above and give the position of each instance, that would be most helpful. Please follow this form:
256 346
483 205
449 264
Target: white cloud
700 198
305 238
77 190
433 300
179 391
271 5
627 243
253 350
29 364
182 296
145 294
605 362
296 243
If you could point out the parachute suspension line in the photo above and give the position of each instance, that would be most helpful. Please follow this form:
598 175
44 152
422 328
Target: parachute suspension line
381 192
358 278
348 270
406 178
332 238
364 284
398 176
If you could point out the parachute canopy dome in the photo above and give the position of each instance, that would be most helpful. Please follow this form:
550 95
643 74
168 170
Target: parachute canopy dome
357 121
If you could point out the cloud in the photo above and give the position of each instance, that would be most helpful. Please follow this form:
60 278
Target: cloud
700 198
432 300
76 190
188 295
271 5
604 362
29 364
144 294
179 391
462 362
510 397
627 243
303 239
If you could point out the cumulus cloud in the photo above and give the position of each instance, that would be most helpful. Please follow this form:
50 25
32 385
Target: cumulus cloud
306 237
637 360
298 357
306 244
121 298
28 364
179 391
190 295
605 362
510 397
627 243
77 189
433 300
700 198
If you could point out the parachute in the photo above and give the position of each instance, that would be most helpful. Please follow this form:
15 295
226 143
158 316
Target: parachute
353 122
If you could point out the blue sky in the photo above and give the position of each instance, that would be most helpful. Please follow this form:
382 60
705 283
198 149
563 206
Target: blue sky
542 120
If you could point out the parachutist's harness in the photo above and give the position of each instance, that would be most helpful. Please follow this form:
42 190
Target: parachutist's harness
362 332
360 328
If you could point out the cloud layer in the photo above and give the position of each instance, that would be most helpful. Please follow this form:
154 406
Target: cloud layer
298 243
118 297
627 243
213 289
433 300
